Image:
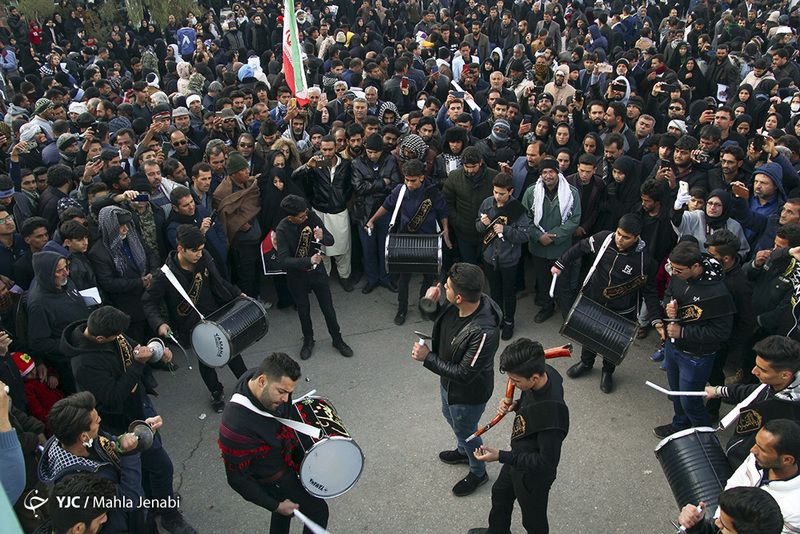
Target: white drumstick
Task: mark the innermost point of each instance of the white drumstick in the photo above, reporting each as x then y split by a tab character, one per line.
313	527
699	511
678	393
553	286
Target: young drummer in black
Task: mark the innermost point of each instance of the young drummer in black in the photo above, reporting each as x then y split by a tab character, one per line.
540	426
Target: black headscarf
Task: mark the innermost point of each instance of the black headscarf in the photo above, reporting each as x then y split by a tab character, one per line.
716	223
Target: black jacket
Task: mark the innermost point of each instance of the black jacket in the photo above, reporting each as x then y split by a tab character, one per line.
322	194
181	316
51	309
468	372
288	237
616	268
122	292
741	290
702	337
370	185
773	291
120	391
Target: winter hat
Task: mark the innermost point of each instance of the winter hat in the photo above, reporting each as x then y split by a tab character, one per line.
65	140
78	108
179	112
235	163
24	362
679	124
42	105
548	163
374	142
500	136
192	98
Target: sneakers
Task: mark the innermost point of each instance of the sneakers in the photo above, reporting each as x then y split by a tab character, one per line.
507	332
543	315
453	457
218	401
658	355
308	346
400	318
343	348
468	485
267	304
176	524
664	431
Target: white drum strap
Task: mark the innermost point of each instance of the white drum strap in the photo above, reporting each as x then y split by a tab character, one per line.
733	414
597	258
179	288
397	206
303	428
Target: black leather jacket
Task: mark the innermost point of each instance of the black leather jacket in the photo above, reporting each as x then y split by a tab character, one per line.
323	194
370	185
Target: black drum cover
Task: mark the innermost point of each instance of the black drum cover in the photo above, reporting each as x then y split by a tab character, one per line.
695	466
599	329
414	254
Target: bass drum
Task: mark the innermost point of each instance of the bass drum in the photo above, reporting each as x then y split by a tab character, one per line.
229	330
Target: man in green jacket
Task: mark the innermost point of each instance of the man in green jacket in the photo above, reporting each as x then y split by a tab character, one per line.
554	212
464	191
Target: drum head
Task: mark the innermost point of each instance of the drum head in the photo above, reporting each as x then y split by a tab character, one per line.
211	344
331	467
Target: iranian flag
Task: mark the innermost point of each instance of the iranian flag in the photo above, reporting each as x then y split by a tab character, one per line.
292	56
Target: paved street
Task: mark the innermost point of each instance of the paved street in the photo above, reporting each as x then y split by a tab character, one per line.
609	480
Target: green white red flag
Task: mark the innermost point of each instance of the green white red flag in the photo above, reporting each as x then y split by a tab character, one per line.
292	56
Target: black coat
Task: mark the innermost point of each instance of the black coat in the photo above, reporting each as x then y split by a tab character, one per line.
370	185
322	194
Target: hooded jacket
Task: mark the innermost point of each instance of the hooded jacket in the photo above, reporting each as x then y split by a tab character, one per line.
698	224
773	293
51	309
702	337
119	385
464	197
466	366
598	41
621	197
370	185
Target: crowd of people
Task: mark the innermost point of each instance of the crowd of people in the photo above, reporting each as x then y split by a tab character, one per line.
644	156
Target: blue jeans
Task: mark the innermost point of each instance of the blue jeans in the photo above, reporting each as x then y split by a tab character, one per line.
375	250
687	373
464	419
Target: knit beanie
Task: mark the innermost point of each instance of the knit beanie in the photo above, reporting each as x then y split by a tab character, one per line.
235	163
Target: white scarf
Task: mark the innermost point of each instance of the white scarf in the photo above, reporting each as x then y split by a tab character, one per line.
564	196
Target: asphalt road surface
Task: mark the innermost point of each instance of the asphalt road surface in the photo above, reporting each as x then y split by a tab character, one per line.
609	480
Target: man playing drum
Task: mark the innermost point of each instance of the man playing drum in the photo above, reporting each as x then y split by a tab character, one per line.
541	424
195	270
623	273
257	450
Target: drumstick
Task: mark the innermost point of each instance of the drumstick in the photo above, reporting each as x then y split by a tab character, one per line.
185	355
422	337
682	528
672	339
553	285
556	352
310	525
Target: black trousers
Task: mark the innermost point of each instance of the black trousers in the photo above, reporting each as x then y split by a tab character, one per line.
316	280
402	288
532	495
209	374
289	487
246	261
502	288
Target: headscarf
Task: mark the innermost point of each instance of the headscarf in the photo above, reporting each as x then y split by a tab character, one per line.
716	223
108	222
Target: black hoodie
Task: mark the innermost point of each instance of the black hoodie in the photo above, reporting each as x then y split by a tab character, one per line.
51	309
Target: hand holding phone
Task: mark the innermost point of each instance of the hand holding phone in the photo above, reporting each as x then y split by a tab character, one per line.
740	190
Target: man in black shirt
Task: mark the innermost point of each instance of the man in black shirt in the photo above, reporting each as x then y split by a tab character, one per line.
299	238
257	450
540	426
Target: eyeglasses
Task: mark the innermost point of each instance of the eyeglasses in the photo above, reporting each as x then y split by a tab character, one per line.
180	143
677	270
675	108
7	218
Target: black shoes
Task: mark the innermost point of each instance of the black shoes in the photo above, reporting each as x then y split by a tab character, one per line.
664	431
543	315
369	287
347	284
468	485
176	524
218	401
578	369
481	530
507	331
390	285
453	457
606	382
400	318
343	348
308	346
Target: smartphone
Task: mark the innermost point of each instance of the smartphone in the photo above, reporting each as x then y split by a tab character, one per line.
165	148
683	188
294	103
664	164
214	215
142	197
740	191
434	69
669	87
758	143
96	158
404	83
458	94
578	95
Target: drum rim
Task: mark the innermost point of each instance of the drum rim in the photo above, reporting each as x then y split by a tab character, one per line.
683	433
313	490
224	332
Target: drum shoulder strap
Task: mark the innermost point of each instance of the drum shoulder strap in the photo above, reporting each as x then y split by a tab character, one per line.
179	288
303	428
397	206
598	257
